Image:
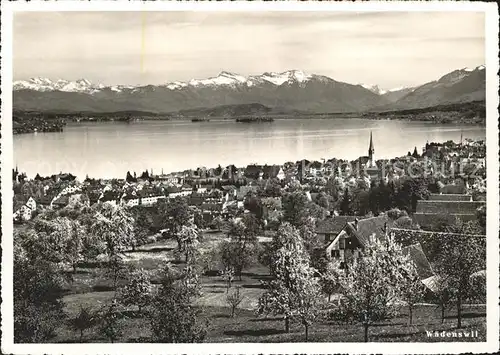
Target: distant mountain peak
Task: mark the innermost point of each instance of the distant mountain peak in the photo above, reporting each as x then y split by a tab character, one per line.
374	88
292	88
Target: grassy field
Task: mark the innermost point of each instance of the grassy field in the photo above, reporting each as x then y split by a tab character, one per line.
90	287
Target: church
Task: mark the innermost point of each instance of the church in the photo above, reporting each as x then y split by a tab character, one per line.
371	168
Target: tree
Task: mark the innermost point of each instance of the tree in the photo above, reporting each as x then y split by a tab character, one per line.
323	201
461	255
360	204
115	269
412	190
293	292
84	320
37	293
241	251
234	299
218	223
188	239
111	324
345	204
329	281
141	227
176	214
309	236
58	240
199	221
228	276
411	289
272	188
368	283
238	255
308	307
172	317
481	218
442	295
137	291
114	226
295	207
253	203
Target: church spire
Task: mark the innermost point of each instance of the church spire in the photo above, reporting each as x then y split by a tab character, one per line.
371	150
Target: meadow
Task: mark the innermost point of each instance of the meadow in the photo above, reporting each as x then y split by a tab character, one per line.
91	287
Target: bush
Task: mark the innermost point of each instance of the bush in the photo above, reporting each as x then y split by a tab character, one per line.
396	213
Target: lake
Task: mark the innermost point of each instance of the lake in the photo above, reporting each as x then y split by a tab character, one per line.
110	149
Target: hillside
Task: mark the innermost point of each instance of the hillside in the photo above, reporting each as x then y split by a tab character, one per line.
288	91
292	90
469	113
459	86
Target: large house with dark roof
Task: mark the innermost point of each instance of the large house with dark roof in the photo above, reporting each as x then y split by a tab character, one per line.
446	206
331	226
355	236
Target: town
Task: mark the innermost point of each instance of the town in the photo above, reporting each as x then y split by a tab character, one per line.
253	247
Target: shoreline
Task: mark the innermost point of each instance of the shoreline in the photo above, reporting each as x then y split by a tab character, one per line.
59	128
190	171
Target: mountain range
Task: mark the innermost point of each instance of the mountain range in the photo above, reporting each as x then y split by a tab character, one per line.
291	90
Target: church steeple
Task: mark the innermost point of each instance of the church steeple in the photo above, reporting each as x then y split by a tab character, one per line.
371	151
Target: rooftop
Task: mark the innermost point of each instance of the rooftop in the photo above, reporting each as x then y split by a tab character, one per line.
333	225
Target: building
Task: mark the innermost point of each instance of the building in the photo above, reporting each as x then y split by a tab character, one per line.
371	152
331	226
273	172
446	207
111	196
130	200
371	167
173	191
355	236
149	197
25	212
60	202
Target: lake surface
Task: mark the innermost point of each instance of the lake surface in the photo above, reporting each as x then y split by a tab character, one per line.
110	149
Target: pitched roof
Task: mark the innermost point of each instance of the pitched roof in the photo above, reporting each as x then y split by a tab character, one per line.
450	197
253	171
173	189
422	265
228	187
196	200
43	200
333	225
111	195
270	171
62	200
369	226
316	165
244	190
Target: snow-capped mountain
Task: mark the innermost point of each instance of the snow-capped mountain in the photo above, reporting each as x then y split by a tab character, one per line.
461	85
45	84
223	79
291	89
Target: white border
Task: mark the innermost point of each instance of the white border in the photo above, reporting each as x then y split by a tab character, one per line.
491	31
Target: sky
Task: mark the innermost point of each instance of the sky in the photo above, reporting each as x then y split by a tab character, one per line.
390	49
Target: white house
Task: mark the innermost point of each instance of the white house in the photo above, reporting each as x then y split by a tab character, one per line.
24	213
31	204
151	200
